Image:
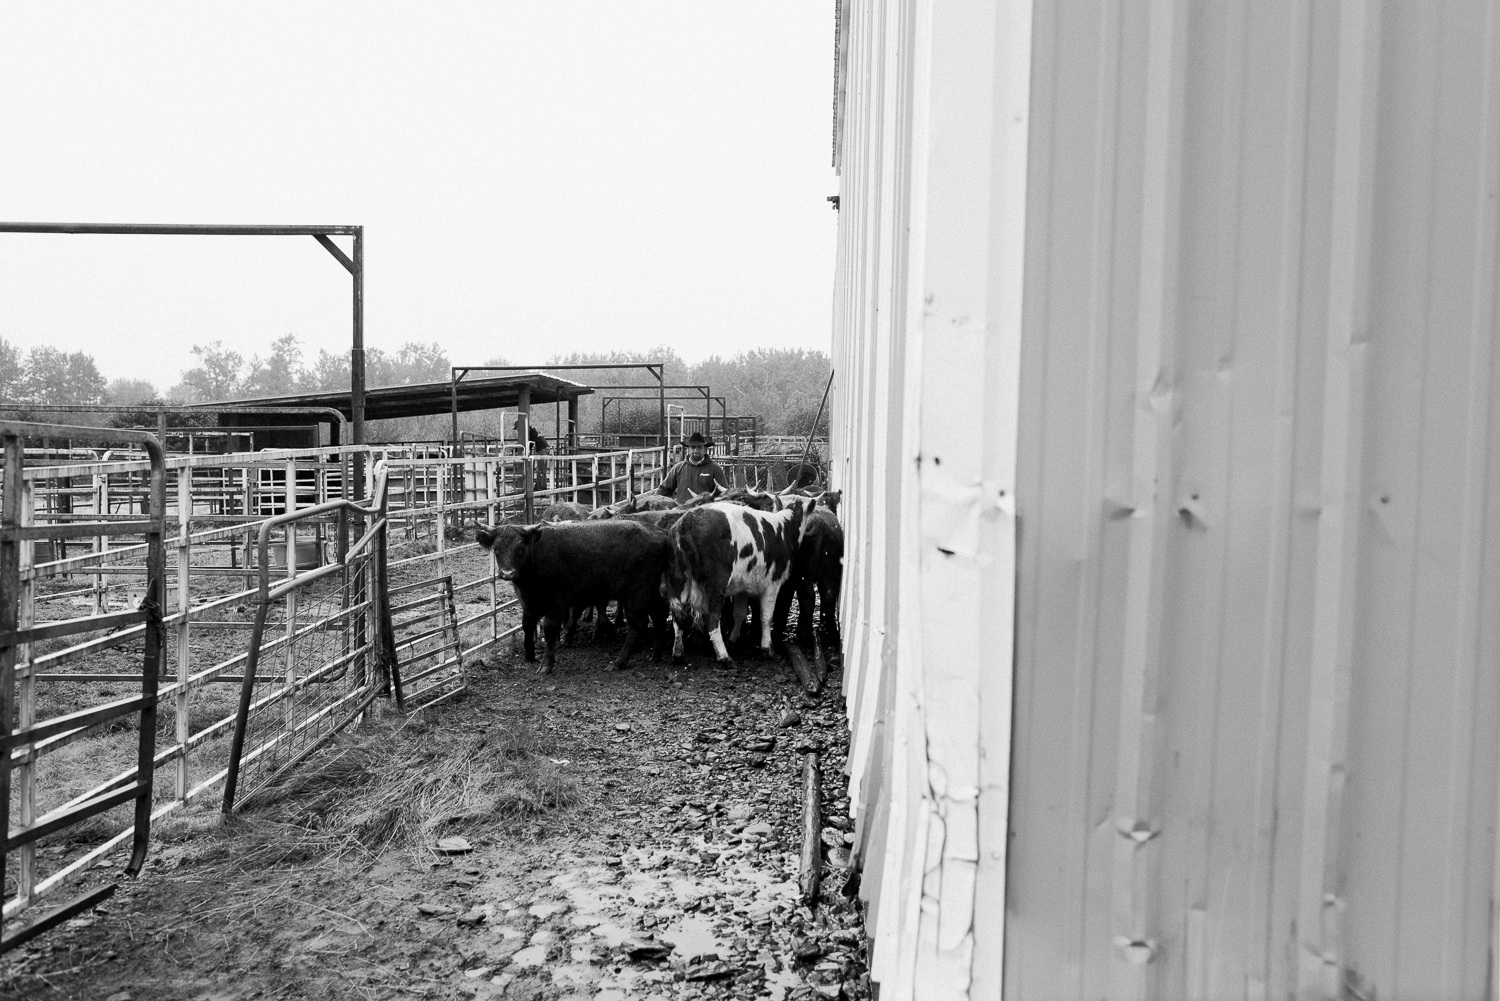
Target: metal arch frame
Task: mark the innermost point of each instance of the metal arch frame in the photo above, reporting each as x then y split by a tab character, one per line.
657	370
702	389
352	262
702	393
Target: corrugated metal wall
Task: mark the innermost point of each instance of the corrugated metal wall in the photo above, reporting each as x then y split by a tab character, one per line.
1257	573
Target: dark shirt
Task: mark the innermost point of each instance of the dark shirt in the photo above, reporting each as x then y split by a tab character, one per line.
538	443
685	479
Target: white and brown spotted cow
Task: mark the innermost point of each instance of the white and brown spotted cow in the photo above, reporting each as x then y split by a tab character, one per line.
724	550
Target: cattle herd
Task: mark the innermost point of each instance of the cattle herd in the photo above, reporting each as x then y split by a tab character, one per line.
672	569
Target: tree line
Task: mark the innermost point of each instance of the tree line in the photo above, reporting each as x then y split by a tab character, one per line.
780	387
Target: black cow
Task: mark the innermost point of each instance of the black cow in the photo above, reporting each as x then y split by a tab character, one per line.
555	568
656	519
818	569
723	550
632	505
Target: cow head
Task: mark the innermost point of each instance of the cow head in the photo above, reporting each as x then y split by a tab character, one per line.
511	546
754	498
803	506
706	497
830	499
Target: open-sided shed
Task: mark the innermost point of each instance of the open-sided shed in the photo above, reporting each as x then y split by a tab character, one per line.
519	391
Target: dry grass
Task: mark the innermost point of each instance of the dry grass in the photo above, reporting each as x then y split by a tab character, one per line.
407	784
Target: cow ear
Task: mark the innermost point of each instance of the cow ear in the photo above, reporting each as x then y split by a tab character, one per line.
530	532
484	537
812	505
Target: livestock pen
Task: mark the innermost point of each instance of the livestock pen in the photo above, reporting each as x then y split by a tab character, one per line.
256	603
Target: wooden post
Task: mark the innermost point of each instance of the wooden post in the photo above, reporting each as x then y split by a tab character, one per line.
812	829
572	424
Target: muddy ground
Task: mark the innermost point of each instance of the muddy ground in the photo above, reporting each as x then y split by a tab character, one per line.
628	835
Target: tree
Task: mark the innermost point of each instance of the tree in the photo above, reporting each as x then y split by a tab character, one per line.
127	391
215	376
421	363
278	374
53	377
781	386
12	377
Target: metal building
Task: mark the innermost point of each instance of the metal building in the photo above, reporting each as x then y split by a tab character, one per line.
1165	338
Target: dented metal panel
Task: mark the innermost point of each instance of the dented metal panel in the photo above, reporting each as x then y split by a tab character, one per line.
1254	742
1196	305
934	132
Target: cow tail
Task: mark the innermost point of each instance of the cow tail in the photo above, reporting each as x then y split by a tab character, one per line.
685	553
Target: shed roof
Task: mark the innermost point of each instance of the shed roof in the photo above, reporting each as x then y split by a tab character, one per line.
423	398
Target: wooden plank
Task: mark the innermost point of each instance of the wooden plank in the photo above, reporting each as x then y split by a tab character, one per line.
810	870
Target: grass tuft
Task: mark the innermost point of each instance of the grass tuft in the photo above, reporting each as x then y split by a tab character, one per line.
409	787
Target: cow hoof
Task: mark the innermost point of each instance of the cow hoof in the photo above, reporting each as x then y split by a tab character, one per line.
678	660
545	669
727	664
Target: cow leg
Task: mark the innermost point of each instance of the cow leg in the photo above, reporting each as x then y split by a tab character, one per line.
828	594
636	624
739	605
721	654
678	657
602	624
659	630
570	635
783	610
529	620
806	611
767	617
551	626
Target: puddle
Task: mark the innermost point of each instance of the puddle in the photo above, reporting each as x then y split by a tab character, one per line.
612	934
545	910
533	955
574	975
779	984
693	935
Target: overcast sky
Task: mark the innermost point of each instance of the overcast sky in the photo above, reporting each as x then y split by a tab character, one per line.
533	177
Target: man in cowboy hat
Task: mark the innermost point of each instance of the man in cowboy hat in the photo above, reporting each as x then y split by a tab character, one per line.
695	474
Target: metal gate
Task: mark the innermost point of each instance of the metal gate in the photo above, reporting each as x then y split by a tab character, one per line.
327	655
23	738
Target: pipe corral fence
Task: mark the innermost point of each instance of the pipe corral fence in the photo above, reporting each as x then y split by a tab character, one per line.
195	626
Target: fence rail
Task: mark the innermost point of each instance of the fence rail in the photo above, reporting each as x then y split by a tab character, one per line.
273	539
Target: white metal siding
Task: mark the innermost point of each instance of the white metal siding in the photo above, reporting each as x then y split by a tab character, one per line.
1246	415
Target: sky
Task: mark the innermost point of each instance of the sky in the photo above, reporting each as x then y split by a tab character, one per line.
533	177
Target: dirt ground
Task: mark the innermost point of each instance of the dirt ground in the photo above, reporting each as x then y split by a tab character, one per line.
628	835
